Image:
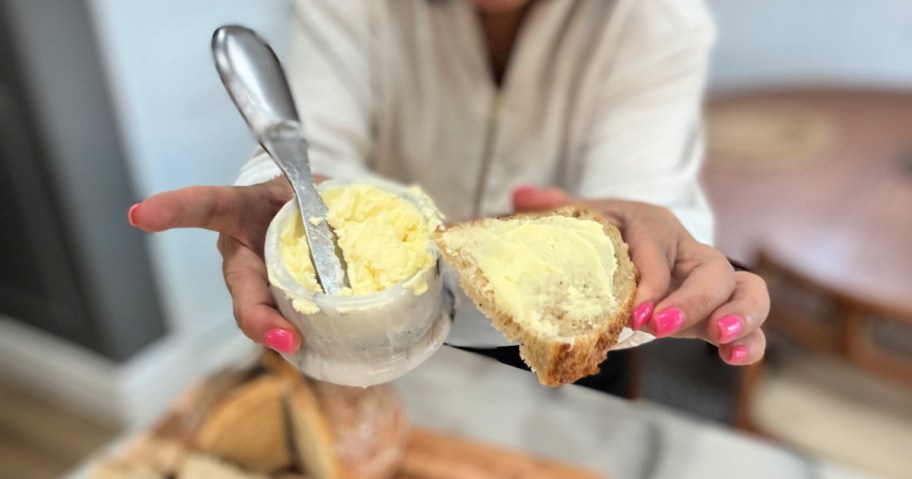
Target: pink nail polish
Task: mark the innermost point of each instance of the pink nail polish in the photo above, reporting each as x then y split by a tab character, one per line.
131	213
738	354
667	321
641	315
280	340
729	327
523	189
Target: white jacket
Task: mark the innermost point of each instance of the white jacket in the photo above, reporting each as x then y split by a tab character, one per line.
602	98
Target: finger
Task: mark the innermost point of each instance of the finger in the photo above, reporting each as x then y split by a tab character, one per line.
254	309
235	211
742	314
709	282
531	198
211	207
655	278
747	350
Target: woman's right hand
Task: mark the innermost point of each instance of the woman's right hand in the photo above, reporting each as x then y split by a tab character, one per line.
241	215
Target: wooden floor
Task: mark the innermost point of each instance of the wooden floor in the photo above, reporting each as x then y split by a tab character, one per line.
41	440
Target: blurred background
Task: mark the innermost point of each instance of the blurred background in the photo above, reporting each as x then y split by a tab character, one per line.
105	102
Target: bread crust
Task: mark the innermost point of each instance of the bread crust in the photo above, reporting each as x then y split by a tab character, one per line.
341	432
555	361
247	427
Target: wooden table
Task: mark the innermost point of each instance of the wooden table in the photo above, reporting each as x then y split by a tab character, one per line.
845	221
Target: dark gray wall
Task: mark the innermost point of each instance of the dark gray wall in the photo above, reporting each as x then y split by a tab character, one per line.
71	174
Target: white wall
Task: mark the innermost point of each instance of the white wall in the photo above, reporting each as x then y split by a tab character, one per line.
830	42
179	126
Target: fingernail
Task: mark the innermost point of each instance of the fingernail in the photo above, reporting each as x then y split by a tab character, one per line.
131	213
641	315
738	354
729	327
523	189
667	321
280	340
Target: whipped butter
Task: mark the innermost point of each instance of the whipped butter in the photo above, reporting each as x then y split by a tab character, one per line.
558	264
385	239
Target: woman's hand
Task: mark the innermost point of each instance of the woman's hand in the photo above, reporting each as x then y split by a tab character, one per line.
687	289
241	215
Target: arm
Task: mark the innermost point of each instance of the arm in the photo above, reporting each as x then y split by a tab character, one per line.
645	143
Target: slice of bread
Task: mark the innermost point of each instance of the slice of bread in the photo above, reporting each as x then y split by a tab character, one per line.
111	470
563	343
200	466
269	420
247	427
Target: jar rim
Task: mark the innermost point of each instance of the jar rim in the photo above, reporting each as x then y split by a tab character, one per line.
280	277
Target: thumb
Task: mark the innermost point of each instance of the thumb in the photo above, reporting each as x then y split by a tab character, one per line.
531	198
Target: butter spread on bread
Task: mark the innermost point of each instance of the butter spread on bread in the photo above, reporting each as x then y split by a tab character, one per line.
558	283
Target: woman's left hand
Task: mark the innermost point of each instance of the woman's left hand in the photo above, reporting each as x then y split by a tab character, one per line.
687	289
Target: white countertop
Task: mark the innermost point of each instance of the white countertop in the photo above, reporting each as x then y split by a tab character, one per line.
475	397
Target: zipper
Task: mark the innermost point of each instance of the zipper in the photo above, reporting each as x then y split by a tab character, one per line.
489	144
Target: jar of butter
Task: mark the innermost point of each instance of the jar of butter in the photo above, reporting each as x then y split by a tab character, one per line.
395	311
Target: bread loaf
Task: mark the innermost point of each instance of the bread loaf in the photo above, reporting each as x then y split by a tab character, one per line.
344	432
248	427
559	283
280	421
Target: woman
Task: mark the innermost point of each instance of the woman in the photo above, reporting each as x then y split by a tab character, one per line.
495	106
